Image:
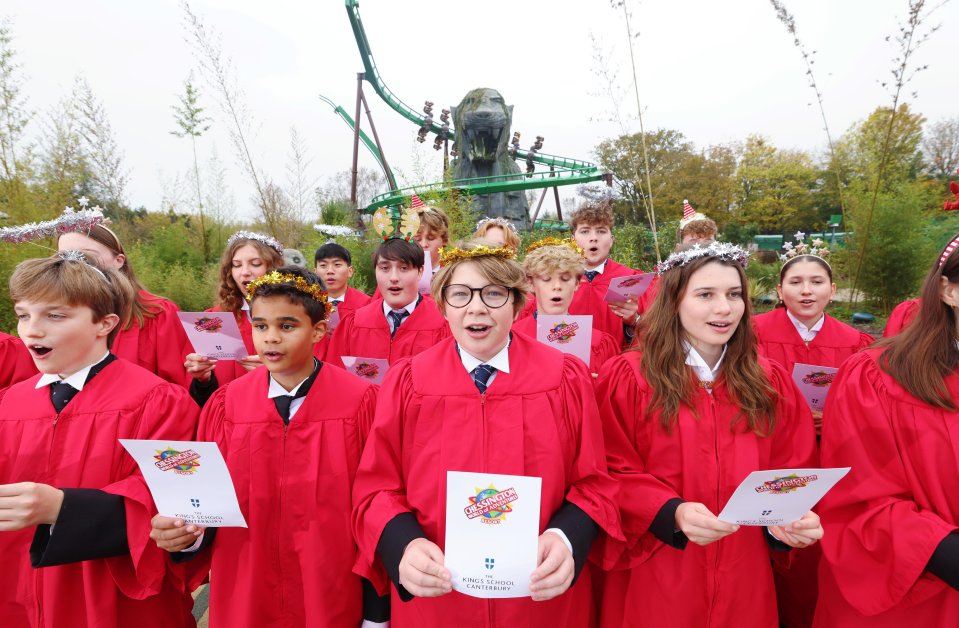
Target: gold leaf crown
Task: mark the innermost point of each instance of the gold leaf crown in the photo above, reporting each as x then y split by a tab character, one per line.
298	283
451	255
551	241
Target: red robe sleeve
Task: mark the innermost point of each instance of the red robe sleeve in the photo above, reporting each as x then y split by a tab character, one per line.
604	347
641	495
879	537
167	412
16	364
379	492
901	316
339	344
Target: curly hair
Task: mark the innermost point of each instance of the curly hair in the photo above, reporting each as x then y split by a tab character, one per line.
600	214
229	295
549	259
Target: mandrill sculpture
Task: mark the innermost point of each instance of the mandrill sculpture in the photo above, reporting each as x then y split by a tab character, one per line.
482	121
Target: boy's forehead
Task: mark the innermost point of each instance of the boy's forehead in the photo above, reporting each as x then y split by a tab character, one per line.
46	302
593	225
331	260
277	306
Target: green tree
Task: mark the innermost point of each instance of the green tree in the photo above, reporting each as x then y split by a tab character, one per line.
872	144
774	186
191	123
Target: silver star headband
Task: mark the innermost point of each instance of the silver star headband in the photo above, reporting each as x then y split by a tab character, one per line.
81	221
720	250
502	222
259	237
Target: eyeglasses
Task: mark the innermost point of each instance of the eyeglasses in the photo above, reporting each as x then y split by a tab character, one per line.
458	295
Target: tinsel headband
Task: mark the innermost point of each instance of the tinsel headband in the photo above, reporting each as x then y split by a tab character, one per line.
259	237
551	241
81	221
500	222
297	282
719	250
451	255
816	248
78	256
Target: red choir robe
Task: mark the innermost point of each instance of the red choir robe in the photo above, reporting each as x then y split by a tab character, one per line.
539	419
703	459
293	565
901	316
160	346
353	299
366	333
228	370
602	346
780	341
16	364
78	449
885	518
590	298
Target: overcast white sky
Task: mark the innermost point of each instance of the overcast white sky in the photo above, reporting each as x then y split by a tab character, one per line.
717	71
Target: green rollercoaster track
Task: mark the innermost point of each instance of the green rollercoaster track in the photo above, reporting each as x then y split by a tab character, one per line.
563	171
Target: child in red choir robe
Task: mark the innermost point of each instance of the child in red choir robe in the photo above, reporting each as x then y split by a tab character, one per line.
334	264
16	364
433	233
71	500
891	549
153	337
800	331
248	255
592	227
901	315
554	269
402	322
487	400
687	417
292	435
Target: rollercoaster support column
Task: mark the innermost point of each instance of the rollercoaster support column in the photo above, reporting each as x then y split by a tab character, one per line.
376	138
356	151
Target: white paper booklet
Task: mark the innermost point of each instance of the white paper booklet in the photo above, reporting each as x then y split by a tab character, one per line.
779	497
214	334
188	480
492	532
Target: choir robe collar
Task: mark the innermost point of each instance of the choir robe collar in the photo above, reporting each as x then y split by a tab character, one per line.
808	334
78	380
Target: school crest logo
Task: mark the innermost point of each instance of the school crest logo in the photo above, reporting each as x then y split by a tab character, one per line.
180	462
367	370
818	378
209	324
787	484
563	332
491	505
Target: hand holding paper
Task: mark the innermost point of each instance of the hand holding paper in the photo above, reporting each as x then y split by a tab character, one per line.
421	570
802	533
173	534
780	497
555	571
700	525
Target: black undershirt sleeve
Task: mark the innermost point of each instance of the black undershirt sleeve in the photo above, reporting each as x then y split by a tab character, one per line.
91	524
579	529
397	534
201	392
663	526
376	608
209	534
775	544
944	562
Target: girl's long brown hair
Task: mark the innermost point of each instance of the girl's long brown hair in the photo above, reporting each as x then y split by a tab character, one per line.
229	295
664	360
925	352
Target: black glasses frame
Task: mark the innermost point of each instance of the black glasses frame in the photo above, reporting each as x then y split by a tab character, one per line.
473	292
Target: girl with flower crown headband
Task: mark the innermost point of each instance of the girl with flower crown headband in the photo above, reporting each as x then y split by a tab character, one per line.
687	415
891	548
799	331
490	401
248	255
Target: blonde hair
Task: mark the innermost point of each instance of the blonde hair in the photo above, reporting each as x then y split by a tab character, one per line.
435	220
510	239
56	280
496	270
230	296
549	259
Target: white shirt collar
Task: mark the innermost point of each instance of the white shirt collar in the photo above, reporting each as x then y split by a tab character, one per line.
245	308
276	390
500	361
77	380
806	333
338	299
702	370
599	268
409	307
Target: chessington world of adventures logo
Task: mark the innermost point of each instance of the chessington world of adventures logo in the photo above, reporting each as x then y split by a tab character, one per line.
491	505
786	484
180	462
563	332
